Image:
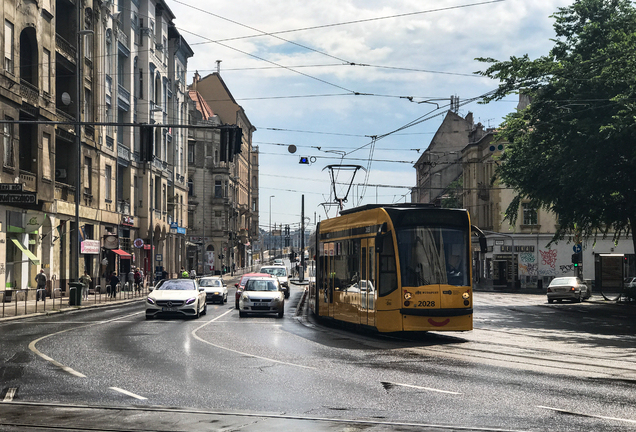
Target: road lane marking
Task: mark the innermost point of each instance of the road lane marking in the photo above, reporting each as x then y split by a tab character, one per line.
127	393
587	415
420	388
60	365
10	394
240	352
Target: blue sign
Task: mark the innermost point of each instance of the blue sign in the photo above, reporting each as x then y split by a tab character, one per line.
158	257
577	248
181	230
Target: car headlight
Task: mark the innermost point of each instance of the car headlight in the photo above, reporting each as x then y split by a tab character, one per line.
190	300
151	301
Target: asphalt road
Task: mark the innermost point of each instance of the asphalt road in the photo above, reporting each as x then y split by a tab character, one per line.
526	366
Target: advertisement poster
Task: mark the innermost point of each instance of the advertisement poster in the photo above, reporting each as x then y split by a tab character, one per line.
210	261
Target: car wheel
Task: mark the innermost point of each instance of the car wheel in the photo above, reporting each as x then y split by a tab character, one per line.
149	317
225	299
281	312
242	314
286	294
205	309
550	300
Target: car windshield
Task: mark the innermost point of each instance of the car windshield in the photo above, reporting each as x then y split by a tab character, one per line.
210	282
564	281
274	271
177	284
260	285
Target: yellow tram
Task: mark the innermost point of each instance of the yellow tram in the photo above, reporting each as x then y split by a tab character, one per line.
395	268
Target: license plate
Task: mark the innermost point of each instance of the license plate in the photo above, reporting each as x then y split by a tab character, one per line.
169	309
261	304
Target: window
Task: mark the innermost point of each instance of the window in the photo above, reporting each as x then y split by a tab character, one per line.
121	70
254	205
46	71
529	215
88	105
109	51
7	143
8	46
191	152
218	190
190	187
109	175
46	156
88	175
141	83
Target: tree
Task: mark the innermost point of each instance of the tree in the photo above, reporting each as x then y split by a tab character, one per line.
572	150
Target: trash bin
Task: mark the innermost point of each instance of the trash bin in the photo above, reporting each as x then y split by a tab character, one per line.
75	293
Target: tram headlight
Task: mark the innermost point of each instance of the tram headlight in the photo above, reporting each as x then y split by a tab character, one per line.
465	296
407	295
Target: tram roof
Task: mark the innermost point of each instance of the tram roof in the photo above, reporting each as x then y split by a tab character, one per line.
392	206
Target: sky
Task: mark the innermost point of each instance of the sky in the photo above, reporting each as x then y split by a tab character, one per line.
326	76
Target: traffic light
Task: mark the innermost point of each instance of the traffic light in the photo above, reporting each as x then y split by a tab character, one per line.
304	160
576	259
147	134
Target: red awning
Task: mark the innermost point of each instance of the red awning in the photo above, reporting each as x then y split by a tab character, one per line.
122	254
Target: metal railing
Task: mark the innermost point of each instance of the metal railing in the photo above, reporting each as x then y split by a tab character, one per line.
29	301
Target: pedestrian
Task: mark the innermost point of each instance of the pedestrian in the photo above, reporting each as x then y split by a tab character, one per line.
114	281
193	274
40	280
164	274
86	283
138	278
131	279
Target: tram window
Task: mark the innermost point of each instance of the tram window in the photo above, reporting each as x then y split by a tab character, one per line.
388	274
433	256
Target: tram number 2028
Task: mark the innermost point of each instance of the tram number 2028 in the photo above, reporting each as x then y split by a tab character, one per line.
426	304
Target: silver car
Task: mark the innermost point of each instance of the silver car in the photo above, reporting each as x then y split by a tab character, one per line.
215	289
568	288
262	296
281	273
176	297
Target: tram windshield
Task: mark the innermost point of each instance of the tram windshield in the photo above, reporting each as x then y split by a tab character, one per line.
433	256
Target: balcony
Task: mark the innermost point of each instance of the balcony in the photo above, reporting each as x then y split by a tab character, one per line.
29	92
123	207
28	179
65	48
123	152
123	95
64	192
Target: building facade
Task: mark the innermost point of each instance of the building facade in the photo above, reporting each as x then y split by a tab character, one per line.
94	69
224	184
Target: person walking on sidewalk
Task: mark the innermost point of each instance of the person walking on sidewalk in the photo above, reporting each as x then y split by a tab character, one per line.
86	283
40	280
114	281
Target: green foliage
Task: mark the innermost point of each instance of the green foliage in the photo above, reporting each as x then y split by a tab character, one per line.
453	197
572	150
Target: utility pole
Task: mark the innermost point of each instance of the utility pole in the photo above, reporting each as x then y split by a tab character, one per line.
301	276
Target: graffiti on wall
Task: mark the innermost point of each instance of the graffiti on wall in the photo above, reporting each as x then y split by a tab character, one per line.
526	257
549	258
567	268
529	269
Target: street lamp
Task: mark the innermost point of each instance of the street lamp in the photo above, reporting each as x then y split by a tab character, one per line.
78	135
269	237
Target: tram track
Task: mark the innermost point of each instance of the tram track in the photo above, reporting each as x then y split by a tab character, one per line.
78	418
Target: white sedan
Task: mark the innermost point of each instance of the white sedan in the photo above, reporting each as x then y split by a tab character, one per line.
262	295
215	289
181	297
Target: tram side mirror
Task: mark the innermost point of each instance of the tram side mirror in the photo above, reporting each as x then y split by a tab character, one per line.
379	242
483	245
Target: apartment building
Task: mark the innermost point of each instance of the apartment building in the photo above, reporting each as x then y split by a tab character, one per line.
95	70
224	185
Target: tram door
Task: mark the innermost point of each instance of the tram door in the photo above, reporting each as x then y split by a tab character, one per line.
367	282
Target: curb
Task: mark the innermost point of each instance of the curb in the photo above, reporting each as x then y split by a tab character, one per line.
70	309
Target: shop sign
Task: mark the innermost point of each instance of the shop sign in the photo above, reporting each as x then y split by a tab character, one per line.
139	243
128	221
181	230
90	247
111	242
34	220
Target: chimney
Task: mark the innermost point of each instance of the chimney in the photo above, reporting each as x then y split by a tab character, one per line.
218	66
195	80
469	118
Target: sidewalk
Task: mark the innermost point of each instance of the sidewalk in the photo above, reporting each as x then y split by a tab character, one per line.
17	309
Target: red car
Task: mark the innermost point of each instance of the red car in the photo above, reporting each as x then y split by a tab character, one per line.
241	285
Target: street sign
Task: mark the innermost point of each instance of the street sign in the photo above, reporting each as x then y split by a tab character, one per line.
158	257
577	248
11	187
